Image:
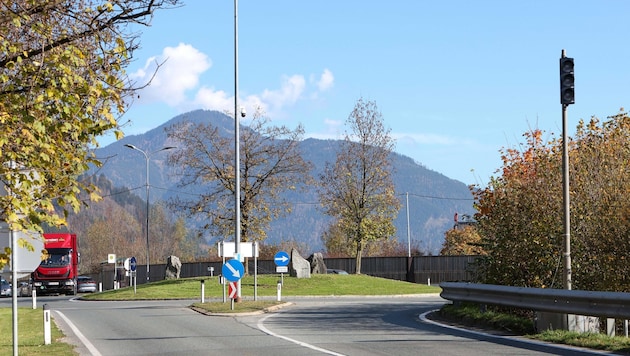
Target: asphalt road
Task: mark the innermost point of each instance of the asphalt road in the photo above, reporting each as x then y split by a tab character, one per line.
309	326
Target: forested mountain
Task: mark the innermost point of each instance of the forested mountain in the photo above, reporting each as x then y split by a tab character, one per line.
433	198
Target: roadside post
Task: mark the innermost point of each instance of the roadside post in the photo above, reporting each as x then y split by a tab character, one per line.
222	283
46	325
279	297
203	291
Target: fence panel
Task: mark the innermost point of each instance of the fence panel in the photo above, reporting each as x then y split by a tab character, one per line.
418	269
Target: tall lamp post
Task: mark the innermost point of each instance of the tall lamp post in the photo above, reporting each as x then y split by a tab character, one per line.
147	156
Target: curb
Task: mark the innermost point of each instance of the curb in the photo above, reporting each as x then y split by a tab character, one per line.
270	309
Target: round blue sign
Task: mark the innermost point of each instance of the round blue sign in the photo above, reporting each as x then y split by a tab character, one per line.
132	263
281	259
233	270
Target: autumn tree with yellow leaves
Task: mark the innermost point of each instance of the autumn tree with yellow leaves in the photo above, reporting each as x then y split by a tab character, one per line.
520	212
62	85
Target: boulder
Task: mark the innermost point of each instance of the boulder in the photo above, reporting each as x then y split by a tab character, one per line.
299	267
173	267
317	263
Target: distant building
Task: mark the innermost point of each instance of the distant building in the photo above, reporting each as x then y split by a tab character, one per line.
463	221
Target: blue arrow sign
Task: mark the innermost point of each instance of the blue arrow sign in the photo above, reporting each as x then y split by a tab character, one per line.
281	259
132	263
233	270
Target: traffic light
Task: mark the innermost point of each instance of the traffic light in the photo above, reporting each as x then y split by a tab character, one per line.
567	81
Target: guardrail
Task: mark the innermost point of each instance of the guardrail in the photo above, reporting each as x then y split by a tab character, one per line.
600	304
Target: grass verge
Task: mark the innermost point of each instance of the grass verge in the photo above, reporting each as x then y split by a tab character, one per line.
244	306
30	334
589	340
472	315
504	323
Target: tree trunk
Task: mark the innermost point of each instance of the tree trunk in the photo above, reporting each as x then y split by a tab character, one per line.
358	258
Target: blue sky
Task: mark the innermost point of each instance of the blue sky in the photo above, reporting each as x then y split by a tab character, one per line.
455	80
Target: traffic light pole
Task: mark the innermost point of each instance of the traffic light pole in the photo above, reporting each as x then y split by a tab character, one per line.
566	201
567	97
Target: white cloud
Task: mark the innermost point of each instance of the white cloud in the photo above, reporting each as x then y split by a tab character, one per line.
210	99
179	72
291	89
427	139
326	81
333	130
177	84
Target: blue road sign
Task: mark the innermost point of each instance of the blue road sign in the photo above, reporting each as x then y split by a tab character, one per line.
233	270
281	259
132	263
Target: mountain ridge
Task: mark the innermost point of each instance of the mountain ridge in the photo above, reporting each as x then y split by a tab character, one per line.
433	198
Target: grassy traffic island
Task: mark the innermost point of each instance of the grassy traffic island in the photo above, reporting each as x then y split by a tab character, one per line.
267	286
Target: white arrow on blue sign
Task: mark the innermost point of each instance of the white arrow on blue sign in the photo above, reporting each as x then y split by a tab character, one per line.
132	263
233	270
281	259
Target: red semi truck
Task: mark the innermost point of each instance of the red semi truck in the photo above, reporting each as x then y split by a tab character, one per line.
57	274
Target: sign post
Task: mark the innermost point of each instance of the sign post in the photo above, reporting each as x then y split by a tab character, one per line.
111	258
133	265
233	271
281	259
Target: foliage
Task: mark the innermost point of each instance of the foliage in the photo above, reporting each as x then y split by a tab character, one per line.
268	251
596	341
462	241
339	244
473	315
62	84
117	225
520	214
357	190
270	163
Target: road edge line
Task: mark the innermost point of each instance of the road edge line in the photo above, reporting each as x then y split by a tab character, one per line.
262	328
79	335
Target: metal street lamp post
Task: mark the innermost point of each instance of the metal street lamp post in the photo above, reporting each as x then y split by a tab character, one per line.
147	156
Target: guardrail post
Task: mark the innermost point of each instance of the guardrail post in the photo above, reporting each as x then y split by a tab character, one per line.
46	325
610	327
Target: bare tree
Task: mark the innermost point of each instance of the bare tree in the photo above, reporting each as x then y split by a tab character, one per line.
271	163
358	190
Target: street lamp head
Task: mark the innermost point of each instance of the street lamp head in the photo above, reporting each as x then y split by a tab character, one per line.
130	146
243	112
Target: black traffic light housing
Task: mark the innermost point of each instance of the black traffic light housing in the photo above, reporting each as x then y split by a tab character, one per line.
567	81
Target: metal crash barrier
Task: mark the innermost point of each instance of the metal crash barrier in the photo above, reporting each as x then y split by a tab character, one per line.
601	304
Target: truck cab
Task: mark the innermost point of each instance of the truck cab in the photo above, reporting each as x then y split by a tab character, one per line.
57	273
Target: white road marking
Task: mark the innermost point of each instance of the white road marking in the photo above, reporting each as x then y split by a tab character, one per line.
78	334
262	328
